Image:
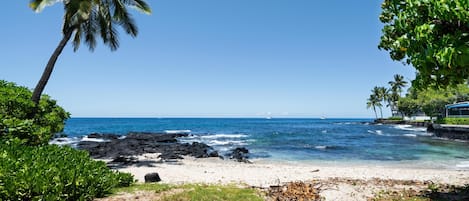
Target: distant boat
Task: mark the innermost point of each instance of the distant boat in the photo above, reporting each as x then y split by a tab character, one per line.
268	117
322	117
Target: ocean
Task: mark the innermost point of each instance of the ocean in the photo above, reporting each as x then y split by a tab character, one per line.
288	140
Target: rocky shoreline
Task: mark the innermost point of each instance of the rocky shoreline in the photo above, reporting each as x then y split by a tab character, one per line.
453	132
122	149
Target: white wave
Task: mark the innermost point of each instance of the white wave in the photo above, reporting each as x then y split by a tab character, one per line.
177	131
324	131
224	136
87	139
377	132
320	147
410	135
463	165
64	141
410	128
219	142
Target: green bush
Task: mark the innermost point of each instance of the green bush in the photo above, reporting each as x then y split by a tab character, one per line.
395	118
52	172
454	121
18	120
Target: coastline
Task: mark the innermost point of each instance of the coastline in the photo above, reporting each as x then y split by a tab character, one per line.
337	182
264	173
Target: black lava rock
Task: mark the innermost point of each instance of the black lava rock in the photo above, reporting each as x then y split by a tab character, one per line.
120	149
152	177
240	154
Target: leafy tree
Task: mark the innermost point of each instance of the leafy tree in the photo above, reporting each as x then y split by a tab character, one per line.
86	20
408	106
431	35
15	120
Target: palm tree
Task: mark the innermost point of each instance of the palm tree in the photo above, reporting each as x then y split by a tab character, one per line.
398	84
381	95
86	20
396	91
373	102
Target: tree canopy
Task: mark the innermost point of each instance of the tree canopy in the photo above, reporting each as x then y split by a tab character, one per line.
88	20
431	35
432	101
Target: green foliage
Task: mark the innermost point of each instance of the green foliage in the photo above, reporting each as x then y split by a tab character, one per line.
90	19
51	172
432	101
17	122
408	106
196	192
395	118
454	121
431	35
214	192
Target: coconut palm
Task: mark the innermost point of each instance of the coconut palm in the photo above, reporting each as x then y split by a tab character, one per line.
373	102
87	20
396	91
397	84
381	95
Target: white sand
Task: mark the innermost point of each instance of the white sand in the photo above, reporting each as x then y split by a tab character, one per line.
264	174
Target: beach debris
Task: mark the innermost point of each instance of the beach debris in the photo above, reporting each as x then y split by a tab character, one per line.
152	177
298	191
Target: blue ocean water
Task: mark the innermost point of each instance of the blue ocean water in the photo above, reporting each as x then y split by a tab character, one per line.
304	140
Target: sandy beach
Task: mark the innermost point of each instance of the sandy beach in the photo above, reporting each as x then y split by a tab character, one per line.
356	182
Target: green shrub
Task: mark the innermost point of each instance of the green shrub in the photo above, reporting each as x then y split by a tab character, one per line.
18	121
454	121
52	172
395	118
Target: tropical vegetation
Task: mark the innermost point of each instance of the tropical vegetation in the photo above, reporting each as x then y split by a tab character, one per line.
50	172
389	97
432	101
430	35
16	121
30	169
85	21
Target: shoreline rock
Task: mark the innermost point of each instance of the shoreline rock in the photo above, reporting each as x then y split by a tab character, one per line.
122	149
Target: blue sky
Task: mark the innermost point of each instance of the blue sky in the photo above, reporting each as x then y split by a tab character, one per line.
248	58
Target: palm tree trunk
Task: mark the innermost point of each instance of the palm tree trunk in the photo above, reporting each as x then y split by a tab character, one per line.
381	112
50	67
376	114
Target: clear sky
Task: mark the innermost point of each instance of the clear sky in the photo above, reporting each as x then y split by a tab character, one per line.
302	58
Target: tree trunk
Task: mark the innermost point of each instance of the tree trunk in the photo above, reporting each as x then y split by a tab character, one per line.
381	112
376	114
50	67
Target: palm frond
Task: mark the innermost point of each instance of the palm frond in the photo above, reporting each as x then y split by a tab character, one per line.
142	6
77	39
39	5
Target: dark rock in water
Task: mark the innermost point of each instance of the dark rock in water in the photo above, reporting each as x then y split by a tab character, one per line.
140	143
152	177
240	154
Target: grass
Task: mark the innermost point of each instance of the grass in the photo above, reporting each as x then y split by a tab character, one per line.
196	192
